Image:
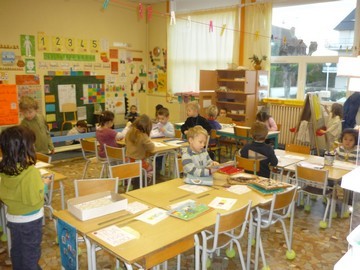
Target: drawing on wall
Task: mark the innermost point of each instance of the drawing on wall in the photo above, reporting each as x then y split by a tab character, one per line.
66	94
7	58
27	45
9	113
114	100
33	91
30	66
93	93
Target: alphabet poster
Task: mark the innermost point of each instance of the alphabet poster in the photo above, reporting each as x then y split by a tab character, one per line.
9	113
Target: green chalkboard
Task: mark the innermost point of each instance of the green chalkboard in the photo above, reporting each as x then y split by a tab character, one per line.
87	92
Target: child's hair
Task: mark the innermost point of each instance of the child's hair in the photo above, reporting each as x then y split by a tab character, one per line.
105	117
28	103
81	123
212	111
158	107
351	131
259	131
163	111
194	105
337	110
262	116
196	131
142	124
17	147
133	106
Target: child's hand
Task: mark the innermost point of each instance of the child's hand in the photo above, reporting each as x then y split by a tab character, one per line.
128	124
52	152
46	179
214	163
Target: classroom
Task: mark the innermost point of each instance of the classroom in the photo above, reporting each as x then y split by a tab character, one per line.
238	68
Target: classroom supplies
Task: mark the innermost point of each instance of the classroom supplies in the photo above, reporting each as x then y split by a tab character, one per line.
199	180
188	210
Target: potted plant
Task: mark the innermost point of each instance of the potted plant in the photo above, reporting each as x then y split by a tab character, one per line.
256	61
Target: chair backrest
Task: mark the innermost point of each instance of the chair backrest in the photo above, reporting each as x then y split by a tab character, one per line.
241	132
114	155
69	108
178	134
42	157
248	164
90	186
224	120
88	146
302	149
315	177
278	127
127	171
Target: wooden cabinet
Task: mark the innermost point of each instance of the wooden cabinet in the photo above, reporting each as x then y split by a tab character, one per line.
237	93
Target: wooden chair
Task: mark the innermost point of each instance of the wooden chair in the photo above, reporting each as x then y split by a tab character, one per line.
278	127
302	149
169	252
315	182
229	229
68	109
224	120
42	157
90	154
281	207
212	144
114	155
178	134
90	186
128	171
248	164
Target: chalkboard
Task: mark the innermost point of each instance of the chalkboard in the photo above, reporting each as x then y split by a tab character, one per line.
87	91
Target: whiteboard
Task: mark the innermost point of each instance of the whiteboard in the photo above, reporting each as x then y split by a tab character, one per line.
66	94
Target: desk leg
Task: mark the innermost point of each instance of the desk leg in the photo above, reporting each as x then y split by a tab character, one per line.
62	193
91	256
154	168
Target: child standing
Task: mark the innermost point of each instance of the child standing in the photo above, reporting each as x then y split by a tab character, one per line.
194	119
106	135
262	151
80	127
138	143
333	126
164	128
347	151
133	114
36	122
195	159
269	121
22	190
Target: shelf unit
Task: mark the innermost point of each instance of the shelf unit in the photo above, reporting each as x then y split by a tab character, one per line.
237	92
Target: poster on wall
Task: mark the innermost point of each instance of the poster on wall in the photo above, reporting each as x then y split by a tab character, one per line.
114	100
9	113
93	93
30	66
66	94
33	91
27	45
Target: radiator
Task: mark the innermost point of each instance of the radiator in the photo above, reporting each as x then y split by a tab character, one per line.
288	117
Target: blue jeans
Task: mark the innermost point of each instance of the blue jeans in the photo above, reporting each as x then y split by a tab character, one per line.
26	244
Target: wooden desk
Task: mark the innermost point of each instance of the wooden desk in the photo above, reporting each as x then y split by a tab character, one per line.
170	230
85	227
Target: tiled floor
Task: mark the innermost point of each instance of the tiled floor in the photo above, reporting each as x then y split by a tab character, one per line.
315	248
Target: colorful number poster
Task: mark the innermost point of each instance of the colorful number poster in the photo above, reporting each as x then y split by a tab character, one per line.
67	239
9	113
93	93
114	100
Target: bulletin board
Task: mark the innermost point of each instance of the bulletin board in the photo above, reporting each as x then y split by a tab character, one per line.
9	113
86	91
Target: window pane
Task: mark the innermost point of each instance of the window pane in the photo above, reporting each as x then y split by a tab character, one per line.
284	80
322	78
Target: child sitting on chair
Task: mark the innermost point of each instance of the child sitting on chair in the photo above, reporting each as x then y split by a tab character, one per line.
269	121
261	151
194	119
347	151
80	127
163	127
195	159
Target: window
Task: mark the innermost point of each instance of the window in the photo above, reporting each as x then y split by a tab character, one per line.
305	45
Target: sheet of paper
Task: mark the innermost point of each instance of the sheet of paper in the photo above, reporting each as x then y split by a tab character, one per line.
344	165
43	171
114	235
222	203
153	216
159	144
194	188
40	164
293	157
239	189
175	142
136	207
172	206
310	165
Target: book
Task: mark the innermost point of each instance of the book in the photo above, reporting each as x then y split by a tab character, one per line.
188	210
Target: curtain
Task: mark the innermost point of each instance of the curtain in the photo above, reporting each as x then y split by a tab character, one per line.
193	47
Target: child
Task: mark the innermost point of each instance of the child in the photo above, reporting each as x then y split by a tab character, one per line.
347	151
163	128
194	119
223	112
157	108
212	112
138	143
263	151
195	160
264	117
22	190
132	115
80	127
106	135
333	126
36	122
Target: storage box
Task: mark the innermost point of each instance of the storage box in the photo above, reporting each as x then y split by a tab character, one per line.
96	205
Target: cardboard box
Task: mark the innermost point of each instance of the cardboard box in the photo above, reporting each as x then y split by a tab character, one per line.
118	203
